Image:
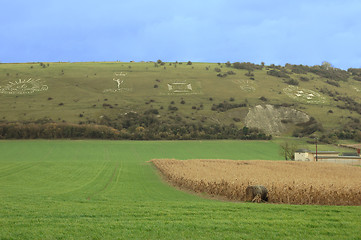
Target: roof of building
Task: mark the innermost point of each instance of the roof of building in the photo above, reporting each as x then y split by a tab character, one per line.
318	152
302	150
325	152
350	154
339	157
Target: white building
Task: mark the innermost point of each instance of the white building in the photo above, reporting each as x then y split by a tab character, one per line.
327	156
307	155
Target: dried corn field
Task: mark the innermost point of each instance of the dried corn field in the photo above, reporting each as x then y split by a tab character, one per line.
287	182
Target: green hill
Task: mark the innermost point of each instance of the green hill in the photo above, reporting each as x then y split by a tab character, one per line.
159	93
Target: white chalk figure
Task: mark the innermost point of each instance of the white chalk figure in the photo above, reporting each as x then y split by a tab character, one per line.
304	95
118	82
24	87
189	87
180	87
245	85
121	74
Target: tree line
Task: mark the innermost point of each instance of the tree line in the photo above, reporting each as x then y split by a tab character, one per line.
132	126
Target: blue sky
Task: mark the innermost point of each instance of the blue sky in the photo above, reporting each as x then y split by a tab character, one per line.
275	32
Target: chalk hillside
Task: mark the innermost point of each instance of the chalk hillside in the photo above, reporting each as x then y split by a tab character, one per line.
131	96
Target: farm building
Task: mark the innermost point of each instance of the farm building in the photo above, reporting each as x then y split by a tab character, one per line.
328	156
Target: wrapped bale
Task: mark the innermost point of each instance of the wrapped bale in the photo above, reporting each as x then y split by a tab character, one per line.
256	194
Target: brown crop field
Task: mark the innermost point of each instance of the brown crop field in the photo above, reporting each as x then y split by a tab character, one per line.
286	181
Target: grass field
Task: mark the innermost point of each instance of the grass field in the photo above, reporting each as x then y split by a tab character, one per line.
108	190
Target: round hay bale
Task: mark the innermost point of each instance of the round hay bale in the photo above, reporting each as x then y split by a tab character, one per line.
256	194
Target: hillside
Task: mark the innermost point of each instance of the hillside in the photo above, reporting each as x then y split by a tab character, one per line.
141	95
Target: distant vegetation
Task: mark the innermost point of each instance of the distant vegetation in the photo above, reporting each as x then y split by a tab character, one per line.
225	105
133	126
247	66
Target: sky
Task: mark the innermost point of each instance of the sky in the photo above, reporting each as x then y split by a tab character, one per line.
277	32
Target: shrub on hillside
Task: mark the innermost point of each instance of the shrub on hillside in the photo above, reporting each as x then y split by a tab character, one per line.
304	79
151	111
263	99
160	62
247	66
333	83
292	81
298	69
225	106
249	74
331	73
172	108
307	128
222	75
277	73
357	78
354	71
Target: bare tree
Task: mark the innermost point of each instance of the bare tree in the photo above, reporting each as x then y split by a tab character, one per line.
288	150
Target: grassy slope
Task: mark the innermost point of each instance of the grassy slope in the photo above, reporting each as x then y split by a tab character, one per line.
107	190
82	85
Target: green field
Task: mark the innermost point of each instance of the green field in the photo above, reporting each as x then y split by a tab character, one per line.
108	190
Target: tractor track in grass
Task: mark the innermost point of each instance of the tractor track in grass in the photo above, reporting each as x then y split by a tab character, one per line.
110	180
16	169
21	166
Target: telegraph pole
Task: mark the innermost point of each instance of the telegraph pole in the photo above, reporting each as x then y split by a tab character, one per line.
316	151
